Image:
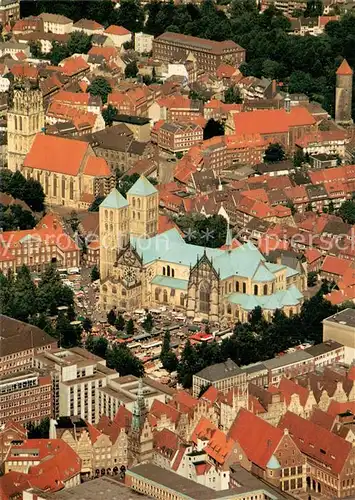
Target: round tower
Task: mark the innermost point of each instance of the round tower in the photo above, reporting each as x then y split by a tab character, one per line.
273	471
343	94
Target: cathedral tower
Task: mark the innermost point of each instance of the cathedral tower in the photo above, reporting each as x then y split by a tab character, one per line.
141	435
343	93
24	120
114	230
143	200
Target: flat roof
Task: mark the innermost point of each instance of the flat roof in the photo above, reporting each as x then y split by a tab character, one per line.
345	318
132	119
324	347
287	359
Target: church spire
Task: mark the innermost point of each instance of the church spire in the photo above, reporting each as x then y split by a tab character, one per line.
229	237
139	408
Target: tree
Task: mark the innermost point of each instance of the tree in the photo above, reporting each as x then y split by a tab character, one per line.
35	48
120	323
100	347
111	317
298	158
58	53
347	211
331	207
69	335
95	274
100	87
95	205
274	153
314	8
13	217
204	231
120	358
79	43
232	95
33	195
130	327
131	15
87	325
38	431
213	128
125	183
167	356
131	70
148	323
109	114
51	293
24	295
17	185
292	207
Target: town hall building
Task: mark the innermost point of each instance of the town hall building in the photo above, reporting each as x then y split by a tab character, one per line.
141	268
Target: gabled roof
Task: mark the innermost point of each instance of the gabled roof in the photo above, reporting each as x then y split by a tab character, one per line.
317	442
114	200
142	187
258	438
116	30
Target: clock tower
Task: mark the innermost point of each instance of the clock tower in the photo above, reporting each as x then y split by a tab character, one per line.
143	200
114	230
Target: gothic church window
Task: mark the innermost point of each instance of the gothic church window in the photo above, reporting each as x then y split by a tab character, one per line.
157	293
182	299
244	288
265	289
237	286
256	290
204	296
165	296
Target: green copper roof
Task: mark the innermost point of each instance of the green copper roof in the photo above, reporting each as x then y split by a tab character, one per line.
290	297
114	200
273	463
170	282
142	187
263	274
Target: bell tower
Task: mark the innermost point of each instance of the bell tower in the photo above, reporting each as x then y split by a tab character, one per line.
343	94
24	120
114	230
143	200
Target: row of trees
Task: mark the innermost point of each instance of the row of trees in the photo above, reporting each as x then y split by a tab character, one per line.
78	43
258	339
203	231
13	217
28	190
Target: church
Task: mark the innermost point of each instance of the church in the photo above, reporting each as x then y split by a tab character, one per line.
141	268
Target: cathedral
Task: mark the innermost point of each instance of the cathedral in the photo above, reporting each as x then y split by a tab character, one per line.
141	268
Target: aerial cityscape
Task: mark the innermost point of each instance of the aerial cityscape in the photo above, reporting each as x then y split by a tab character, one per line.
177	249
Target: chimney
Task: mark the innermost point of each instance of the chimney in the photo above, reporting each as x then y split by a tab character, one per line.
287	103
273	88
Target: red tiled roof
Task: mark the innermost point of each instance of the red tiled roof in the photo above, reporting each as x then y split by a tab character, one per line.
158	409
334	265
288	388
97	167
344	68
322	418
317	442
211	394
272	121
335	408
183	401
56	154
219	446
123	417
166	441
116	30
258	438
203	430
312	255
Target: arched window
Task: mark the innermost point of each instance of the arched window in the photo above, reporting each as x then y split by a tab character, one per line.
139	215
229	309
134	214
164	271
20	122
173	273
230	287
291	312
134	202
157	294
111	215
114	289
256	290
138	202
106	214
165	296
55	180
244	288
182	299
46	185
204	295
71	189
168	270
63	187
104	288
237	286
265	289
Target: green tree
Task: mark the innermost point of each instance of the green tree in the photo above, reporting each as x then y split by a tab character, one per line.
14	217
38	431
130	327
131	15
131	70
111	317
232	95
87	324
298	158
69	335
213	128
292	207
312	278
33	195
347	211
148	323
100	347
314	8
79	43
17	185
274	153
100	87
125	183
58	52
51	293
331	208
120	358
35	48
188	365
95	274
109	114
120	323
167	356
24	295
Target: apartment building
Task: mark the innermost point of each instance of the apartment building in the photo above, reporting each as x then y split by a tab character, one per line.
209	54
55	23
179	137
290	365
25	397
222	376
341	328
20	342
143	42
9	11
287	7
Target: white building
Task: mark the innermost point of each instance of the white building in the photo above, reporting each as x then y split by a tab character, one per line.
55	23
4	84
118	34
143	42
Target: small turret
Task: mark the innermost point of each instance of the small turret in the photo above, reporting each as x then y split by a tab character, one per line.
343	94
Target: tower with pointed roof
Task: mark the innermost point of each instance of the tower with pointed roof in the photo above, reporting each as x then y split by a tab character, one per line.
114	230
343	94
143	200
24	120
140	436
